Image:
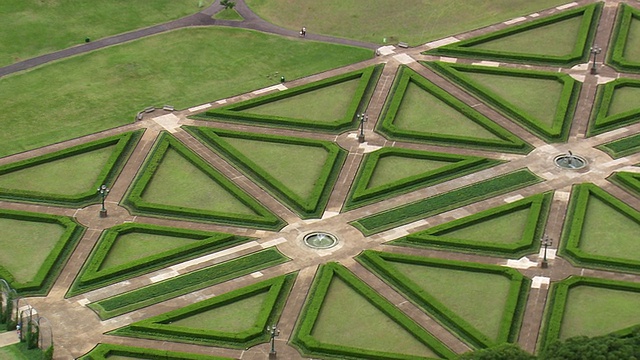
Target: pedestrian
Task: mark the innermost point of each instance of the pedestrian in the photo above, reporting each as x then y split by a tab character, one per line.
303	32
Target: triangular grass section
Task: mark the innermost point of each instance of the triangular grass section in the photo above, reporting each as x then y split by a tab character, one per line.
628	180
588	237
132	249
330	104
110	351
583	306
562	39
624	50
300	172
176	182
622	147
326	326
509	229
389	172
68	177
35	247
543	102
235	319
618	106
484	308
418	110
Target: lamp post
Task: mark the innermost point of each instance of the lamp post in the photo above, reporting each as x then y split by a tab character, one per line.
273	332
595	50
103	191
546	242
362	118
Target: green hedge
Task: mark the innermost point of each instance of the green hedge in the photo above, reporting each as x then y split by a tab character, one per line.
107	351
57	258
616	55
538	206
91	275
310	207
579	54
558	303
234	112
160	328
263	219
567	102
183	284
622	147
460	165
378	262
574	223
124	145
628	180
506	141
601	120
303	339
443	202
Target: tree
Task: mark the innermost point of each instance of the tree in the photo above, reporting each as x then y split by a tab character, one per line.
499	352
608	347
228	4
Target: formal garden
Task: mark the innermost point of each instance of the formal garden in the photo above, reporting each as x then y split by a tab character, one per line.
204	182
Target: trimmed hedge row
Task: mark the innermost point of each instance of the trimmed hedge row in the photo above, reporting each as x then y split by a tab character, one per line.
628	180
234	112
91	275
159	327
124	145
572	231
54	262
567	102
310	207
579	54
303	339
262	219
558	303
506	142
183	284
447	201
378	262
622	147
460	165
538	206
602	122
107	351
620	36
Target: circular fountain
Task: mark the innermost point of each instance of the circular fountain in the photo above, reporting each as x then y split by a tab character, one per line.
320	240
570	161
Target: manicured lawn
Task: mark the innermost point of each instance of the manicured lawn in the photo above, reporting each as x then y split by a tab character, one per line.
297	167
594	311
375	331
235	317
477	298
541	103
228	14
137	245
25	245
504	229
555	40
325	104
108	87
414	22
175	180
632	48
392	168
20	352
600	240
26	29
67	176
422	112
624	98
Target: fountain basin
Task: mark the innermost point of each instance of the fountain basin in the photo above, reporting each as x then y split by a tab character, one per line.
570	161
320	240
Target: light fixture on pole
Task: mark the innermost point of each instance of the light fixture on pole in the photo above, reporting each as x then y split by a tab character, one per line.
362	118
273	332
546	242
103	191
595	50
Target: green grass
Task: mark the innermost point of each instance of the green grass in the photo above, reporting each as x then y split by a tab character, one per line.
108	87
557	39
595	311
375	331
325	104
19	351
25	245
415	22
26	29
423	112
625	98
477	298
228	14
622	147
66	176
632	48
392	168
504	229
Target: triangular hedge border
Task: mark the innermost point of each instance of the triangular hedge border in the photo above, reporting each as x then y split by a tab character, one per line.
619	38
601	122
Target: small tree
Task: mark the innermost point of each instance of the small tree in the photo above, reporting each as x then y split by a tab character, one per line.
228	4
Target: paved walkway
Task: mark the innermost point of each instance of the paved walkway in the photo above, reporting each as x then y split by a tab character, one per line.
78	329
